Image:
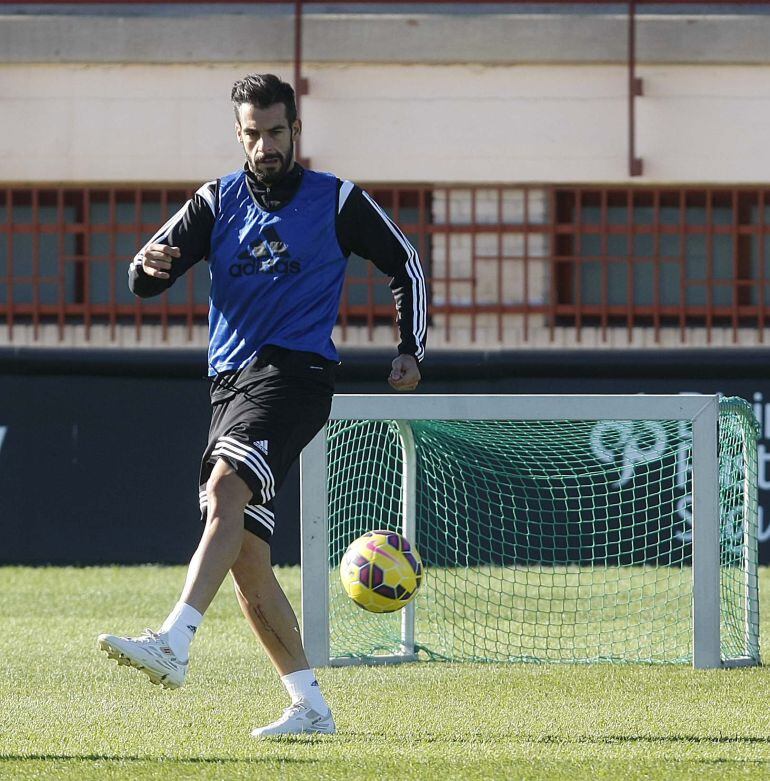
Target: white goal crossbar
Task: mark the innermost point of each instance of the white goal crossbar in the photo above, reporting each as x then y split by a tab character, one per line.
700	411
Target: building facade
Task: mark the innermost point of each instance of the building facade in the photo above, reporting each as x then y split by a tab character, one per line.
497	135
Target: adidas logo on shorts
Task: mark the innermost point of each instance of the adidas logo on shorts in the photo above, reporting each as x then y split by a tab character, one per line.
261	445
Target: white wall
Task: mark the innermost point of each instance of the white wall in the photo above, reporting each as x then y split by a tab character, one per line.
400	123
91	123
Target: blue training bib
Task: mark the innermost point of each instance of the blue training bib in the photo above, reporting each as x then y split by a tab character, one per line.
276	276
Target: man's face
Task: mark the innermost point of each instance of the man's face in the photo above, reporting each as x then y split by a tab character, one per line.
267	140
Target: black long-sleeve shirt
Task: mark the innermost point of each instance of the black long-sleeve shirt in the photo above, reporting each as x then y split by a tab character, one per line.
362	228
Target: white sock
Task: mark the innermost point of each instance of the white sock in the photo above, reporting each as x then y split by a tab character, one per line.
302	685
181	625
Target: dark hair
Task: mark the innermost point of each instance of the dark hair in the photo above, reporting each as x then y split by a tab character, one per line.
263	90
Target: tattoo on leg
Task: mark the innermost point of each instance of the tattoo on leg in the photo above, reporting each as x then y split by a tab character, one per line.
260	616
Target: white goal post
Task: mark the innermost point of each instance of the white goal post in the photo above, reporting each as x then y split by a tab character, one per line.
700	412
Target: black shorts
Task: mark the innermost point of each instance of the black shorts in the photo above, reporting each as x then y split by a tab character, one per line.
261	418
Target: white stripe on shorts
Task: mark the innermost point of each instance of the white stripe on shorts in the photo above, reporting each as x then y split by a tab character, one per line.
255	511
251	458
261	514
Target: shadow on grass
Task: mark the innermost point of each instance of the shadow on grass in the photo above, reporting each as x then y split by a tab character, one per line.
510	737
151	760
613	739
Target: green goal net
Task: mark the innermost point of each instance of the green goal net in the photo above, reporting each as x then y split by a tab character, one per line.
543	540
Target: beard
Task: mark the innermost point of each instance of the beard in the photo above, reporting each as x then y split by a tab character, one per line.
277	173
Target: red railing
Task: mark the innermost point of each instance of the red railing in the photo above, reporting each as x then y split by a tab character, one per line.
66	253
537	259
680	257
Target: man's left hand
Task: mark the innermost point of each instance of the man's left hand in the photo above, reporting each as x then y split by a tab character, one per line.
405	375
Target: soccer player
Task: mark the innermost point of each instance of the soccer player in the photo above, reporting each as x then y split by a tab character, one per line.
276	238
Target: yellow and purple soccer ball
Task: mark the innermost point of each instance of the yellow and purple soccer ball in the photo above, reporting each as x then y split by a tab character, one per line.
381	571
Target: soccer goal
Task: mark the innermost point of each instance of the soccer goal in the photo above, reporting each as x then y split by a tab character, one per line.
552	528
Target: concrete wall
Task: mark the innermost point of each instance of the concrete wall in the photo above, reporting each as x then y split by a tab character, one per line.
140	93
199	33
400	123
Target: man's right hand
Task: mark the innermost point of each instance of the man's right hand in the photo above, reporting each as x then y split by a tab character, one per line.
157	260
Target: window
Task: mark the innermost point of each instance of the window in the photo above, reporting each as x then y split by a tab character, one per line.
662	257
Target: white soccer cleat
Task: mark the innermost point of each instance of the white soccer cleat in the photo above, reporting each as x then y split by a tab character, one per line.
299	718
150	653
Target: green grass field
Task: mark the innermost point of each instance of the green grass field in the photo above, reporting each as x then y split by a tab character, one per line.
68	713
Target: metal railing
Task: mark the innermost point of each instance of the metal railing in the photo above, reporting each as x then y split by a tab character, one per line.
538	259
